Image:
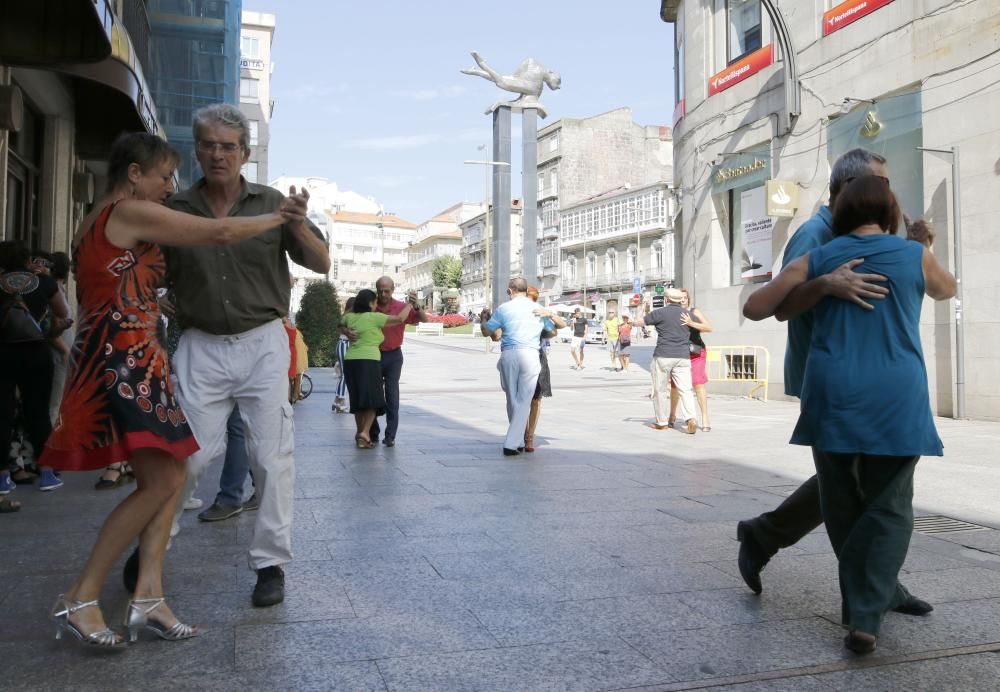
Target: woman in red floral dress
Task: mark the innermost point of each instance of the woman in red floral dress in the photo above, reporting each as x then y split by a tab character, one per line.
119	403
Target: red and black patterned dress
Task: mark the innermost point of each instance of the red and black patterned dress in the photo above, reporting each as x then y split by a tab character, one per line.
118	395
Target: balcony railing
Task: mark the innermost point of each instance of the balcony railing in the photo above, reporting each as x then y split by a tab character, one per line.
623	232
621	279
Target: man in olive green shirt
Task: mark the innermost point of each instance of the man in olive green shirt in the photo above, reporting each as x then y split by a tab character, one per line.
233	349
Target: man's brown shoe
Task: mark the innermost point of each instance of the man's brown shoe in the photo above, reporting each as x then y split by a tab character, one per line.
692	426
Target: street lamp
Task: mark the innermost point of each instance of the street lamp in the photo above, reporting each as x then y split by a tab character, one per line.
489	165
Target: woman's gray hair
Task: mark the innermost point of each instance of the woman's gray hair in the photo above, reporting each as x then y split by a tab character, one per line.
853	164
222	114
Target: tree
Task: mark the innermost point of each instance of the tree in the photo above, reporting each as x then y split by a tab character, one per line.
318	319
447	272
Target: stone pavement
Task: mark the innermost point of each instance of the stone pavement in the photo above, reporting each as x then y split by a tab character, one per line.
604	561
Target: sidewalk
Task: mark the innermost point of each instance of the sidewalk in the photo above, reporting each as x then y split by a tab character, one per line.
604	561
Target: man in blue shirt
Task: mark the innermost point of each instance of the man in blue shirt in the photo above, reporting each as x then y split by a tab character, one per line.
519	331
761	537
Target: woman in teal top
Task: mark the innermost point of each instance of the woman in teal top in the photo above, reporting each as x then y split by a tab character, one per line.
362	367
865	407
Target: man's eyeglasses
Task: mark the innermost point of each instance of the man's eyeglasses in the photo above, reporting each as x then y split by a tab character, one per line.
207	147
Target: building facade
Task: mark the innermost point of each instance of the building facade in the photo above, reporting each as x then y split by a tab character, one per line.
256	36
325	200
368	246
617	249
72	78
195	54
476	258
583	159
765	106
440	236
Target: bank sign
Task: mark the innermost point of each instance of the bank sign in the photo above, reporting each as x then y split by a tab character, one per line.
849	12
741	69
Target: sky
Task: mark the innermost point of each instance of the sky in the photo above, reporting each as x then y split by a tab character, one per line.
368	94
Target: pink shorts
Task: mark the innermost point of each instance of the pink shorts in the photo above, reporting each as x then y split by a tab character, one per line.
698	374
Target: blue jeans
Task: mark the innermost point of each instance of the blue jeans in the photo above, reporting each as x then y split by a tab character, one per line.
237	465
392	368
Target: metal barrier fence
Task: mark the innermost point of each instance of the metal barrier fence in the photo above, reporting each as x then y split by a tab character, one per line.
749	364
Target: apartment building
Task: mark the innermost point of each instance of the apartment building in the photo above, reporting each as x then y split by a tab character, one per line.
256	36
477	258
581	160
440	236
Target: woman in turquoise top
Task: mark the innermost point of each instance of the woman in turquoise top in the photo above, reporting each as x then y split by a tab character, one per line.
865	407
362	368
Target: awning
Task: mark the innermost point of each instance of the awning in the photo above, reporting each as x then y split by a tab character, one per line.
41	33
112	95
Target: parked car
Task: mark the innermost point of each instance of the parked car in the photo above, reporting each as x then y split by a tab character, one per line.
565	335
595	332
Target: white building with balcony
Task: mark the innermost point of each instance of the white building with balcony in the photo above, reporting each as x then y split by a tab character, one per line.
440	236
618	246
365	246
325	199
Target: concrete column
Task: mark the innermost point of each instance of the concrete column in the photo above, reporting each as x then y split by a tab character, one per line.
500	243
529	194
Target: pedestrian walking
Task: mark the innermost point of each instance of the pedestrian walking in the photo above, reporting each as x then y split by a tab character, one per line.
865	405
611	324
579	338
340	396
625	342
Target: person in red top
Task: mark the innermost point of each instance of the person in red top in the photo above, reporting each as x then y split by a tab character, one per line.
392	355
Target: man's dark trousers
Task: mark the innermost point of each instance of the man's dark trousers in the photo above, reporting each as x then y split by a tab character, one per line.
392	368
790	521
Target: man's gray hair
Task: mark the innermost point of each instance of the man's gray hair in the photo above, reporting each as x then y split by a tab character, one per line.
850	165
518	285
222	114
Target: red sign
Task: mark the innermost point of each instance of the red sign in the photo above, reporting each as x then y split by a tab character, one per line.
636	299
848	12
740	70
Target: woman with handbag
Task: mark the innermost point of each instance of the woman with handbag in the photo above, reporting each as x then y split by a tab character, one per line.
695	320
625	342
26	367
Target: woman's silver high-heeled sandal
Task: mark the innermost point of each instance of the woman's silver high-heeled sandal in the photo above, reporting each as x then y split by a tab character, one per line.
103	639
137	617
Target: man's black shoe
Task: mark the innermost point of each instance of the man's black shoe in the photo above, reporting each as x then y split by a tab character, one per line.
914	606
130	572
752	557
510	452
270	589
